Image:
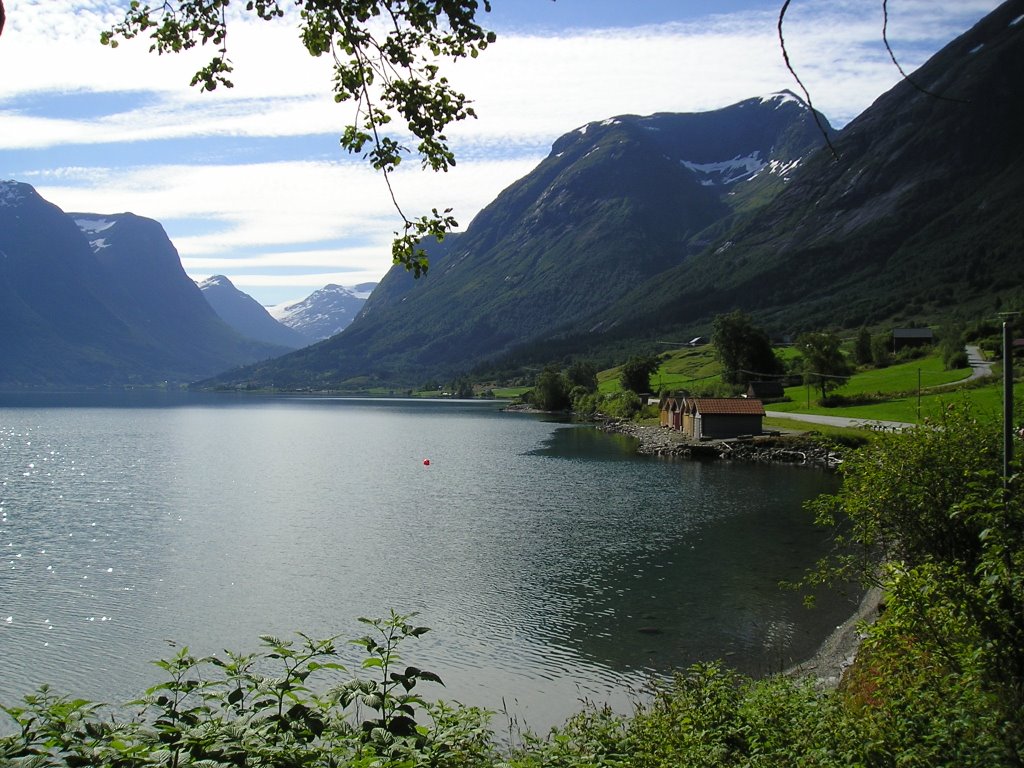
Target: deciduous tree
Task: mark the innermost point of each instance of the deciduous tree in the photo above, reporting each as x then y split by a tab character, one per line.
636	373
824	364
582	374
551	392
744	349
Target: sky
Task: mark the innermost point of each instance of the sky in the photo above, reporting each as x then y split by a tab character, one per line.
251	183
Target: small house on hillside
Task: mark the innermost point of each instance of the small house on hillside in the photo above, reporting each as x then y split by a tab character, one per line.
911	337
766	390
719	418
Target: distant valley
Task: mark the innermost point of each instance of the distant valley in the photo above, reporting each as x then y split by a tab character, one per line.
325	312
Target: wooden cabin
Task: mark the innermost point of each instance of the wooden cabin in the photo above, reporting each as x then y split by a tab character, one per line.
719	418
670	412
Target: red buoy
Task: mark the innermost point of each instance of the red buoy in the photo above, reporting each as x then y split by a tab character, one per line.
426	462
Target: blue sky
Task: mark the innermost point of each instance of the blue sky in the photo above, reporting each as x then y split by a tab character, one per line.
250	182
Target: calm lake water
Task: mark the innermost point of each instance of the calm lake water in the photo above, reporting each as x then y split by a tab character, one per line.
551	562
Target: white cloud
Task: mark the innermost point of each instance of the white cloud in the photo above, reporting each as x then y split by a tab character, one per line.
253	213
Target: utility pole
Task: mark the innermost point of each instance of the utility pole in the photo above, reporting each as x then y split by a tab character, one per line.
1007	396
918	395
1007	401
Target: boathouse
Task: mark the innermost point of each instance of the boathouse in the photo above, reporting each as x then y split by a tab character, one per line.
719	418
671	412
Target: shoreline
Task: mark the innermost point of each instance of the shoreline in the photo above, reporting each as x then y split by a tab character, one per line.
838	651
772	448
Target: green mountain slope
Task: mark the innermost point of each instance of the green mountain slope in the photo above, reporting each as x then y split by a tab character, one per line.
920	215
635	229
615	203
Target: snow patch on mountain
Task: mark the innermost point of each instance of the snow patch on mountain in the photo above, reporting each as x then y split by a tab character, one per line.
725	172
11	193
779	168
215	281
94	226
324	312
781	98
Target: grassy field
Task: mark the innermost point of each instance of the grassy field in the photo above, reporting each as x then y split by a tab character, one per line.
680	369
897	390
895	387
848	434
509	393
902	378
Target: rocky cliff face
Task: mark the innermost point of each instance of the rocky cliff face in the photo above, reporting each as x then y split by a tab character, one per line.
101	301
246	315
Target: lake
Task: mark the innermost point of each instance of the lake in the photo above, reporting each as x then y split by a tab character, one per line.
552	563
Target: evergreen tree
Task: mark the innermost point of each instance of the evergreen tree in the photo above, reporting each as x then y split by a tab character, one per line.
862	347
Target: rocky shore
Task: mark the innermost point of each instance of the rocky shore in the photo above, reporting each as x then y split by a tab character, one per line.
827	666
788	449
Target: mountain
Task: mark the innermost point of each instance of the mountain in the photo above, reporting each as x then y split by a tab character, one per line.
918	215
615	203
642	228
90	299
324	312
246	315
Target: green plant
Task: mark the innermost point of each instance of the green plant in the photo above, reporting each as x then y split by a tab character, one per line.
743	349
862	347
551	392
390	695
260	709
635	375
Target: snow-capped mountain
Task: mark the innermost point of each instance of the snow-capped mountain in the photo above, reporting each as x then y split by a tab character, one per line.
324	312
246	315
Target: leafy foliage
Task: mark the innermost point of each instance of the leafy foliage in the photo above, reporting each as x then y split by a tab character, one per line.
385	55
823	363
582	373
950	646
261	709
636	373
743	348
862	347
881	355
551	392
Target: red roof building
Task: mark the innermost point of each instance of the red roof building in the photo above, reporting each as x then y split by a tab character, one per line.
718	418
